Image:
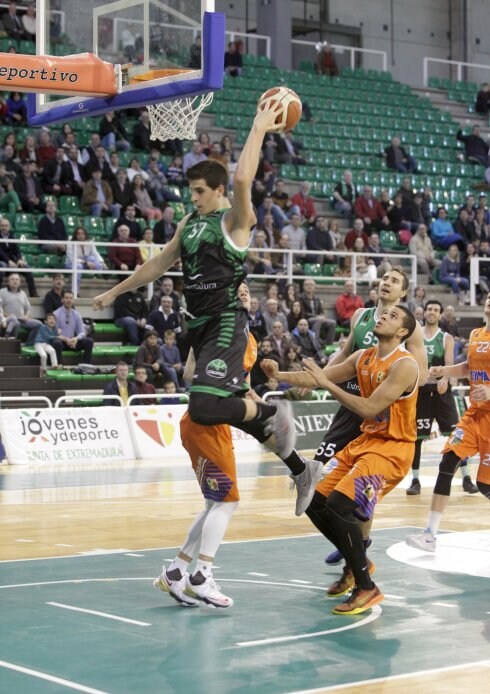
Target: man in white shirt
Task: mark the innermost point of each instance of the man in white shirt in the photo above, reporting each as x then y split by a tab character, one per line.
194	156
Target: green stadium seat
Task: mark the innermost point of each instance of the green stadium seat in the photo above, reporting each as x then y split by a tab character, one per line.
94	225
25	223
69	204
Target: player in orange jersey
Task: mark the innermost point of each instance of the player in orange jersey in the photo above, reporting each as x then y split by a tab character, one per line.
213	460
471	434
377	460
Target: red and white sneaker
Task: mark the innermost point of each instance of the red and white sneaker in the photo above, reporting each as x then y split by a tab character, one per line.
208	591
176	588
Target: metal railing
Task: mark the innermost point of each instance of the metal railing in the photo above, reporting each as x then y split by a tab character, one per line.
26	399
352	50
74	398
460	65
287	271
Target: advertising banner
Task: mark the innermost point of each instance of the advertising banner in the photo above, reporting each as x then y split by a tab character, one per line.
68	435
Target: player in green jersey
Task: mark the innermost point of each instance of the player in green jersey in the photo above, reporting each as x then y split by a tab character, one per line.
435	399
212	243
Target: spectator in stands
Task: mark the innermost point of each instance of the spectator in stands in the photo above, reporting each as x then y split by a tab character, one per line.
77	174
157	184
45	149
43	343
415	213
60	137
304	202
292	149
128	218
314	313
194	60
365	269
120	386
258	257
418	299
271	315
372	299
290	295
308	343
368	208
484	252
296	235
142	132
420	245
292	359
398	158
406	191
124	257
122	192
101	161
10	139
51	227
272	232
142	387
143	201
12	23
257	376
11	256
376	253
464	226
53	299
205	142
475	147
29	23
113	133
164	229
171	357
319	239
97	199
279	339
333	232
450	274
56	178
233	61
16	109
344	194
194	156
482	287
481	227
256	321
227	145
130	312
28	188
325	60
149	356
9	200
29	150
71	333
83	256
280	196
166	289
469	206
449	324
17	310
134	169
147	247
482	103
397	215
295	314
442	231
280	261
175	172
347	304
356	232
482	205
88	152
164	318
269	207
10	162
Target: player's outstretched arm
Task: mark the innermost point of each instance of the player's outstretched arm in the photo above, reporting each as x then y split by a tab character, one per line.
455	371
148	272
401	378
415	345
241	217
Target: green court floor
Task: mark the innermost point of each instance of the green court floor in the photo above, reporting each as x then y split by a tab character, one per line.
280	636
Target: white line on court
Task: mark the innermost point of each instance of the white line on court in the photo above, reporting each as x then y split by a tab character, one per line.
391	678
20	540
445	604
256	573
99	614
298	580
375	613
50	678
60	544
133	554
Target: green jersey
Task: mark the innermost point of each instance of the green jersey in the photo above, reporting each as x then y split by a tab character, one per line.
435	348
363	338
212	266
363	330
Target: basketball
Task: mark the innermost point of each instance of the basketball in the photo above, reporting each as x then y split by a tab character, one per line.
290	114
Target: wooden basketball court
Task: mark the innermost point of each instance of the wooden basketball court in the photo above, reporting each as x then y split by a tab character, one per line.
79	548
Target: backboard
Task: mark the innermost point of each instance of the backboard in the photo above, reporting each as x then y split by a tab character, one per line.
157	41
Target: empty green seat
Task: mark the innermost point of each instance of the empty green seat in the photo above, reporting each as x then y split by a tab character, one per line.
69	204
25	223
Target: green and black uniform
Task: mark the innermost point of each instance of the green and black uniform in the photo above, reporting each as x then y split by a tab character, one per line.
213	269
346	425
430	404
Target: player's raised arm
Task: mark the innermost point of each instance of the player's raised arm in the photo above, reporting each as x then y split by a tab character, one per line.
241	217
148	272
316	376
415	345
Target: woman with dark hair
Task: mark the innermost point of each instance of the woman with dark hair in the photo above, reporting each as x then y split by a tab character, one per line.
143	200
10	139
17	109
290	295
60	137
442	231
83	256
295	314
205	141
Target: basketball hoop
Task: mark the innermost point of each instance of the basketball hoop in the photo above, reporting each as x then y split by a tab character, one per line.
177	119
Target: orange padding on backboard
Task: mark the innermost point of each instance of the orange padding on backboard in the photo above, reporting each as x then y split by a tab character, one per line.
158	74
83	74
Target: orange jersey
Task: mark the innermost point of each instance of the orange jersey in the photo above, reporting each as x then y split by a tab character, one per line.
479	363
398	421
250	354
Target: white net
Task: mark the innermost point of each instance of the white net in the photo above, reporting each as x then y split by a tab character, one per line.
177	119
